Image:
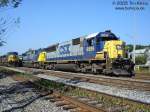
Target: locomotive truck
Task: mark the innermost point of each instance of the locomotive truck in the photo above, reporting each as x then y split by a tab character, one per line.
101	52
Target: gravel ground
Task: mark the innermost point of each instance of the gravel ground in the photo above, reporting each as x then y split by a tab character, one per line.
21	97
137	95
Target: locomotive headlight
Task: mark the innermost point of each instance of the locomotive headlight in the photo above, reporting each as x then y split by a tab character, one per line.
119	47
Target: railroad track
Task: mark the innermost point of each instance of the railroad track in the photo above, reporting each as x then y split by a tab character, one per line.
143	85
71	103
119	82
137	84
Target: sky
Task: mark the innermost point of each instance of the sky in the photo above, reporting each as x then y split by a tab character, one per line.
46	22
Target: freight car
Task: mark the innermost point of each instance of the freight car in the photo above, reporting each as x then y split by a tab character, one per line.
101	52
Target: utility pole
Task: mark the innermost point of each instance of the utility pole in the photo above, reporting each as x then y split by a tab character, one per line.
134	37
134	47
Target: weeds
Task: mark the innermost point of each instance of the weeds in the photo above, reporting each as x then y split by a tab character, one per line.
108	101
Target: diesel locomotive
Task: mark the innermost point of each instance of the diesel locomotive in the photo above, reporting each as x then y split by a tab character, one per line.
97	53
11	59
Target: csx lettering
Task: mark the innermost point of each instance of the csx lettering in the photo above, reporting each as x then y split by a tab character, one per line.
64	49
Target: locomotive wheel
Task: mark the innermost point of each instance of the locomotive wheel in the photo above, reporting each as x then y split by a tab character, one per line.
94	70
107	72
83	70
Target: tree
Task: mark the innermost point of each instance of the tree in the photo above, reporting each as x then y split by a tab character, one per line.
129	48
142	46
9	3
6	23
139	60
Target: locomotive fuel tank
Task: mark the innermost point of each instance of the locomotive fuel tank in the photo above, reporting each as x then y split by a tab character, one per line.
66	67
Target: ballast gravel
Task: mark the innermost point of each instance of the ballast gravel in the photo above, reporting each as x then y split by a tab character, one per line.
137	95
19	97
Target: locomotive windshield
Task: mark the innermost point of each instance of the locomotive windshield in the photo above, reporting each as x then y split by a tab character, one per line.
12	53
109	37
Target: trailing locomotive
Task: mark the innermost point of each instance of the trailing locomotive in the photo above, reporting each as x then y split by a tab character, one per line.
11	59
100	52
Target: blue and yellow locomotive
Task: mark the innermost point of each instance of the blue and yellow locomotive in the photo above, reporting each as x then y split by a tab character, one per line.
100	52
11	59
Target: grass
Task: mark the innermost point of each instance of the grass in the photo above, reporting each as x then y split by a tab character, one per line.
25	75
51	84
6	71
108	101
143	70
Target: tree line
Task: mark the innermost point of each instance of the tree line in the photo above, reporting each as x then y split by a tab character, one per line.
129	47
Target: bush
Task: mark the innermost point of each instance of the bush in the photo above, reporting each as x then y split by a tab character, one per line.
139	60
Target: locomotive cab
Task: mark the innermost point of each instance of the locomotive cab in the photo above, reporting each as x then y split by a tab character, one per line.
112	46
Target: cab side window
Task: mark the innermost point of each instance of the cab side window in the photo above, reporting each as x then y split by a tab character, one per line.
90	42
97	41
